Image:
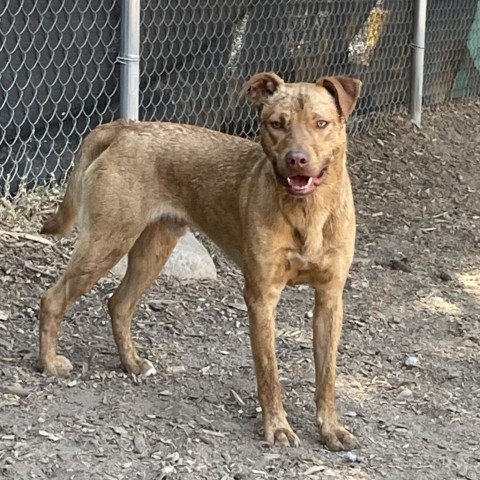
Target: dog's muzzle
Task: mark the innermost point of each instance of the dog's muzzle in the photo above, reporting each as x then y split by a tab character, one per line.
301	185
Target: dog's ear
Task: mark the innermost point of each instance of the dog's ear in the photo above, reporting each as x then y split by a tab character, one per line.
345	91
261	86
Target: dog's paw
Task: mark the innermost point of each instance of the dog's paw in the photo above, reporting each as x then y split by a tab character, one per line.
279	432
147	369
336	438
140	366
60	367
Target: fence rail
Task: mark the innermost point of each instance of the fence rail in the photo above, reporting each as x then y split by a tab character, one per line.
60	70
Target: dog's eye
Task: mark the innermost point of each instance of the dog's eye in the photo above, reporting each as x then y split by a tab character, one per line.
276	124
322	124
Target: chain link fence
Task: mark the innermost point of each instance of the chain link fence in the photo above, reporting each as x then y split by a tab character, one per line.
58	79
452	54
59	75
197	57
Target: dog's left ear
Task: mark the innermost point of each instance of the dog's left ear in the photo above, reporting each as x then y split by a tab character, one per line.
345	91
261	86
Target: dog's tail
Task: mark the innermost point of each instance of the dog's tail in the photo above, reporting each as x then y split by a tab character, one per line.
64	219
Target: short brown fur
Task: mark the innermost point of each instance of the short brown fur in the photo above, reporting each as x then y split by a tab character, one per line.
137	185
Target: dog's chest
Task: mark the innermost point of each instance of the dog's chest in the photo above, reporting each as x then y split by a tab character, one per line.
304	268
306	248
304	257
302	265
298	261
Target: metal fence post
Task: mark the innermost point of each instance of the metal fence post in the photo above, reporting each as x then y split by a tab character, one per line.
418	54
130	59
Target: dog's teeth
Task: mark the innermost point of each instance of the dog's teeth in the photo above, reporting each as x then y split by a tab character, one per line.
289	180
310	180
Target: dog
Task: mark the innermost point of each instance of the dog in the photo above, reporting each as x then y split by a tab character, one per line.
281	209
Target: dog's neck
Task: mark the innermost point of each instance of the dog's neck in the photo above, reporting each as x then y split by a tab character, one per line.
309	216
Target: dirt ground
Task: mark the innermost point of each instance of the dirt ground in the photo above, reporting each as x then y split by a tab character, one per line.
413	293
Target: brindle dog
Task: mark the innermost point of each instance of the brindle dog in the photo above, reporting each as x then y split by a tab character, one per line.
282	210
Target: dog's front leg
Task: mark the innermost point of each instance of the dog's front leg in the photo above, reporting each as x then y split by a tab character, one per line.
261	299
327	327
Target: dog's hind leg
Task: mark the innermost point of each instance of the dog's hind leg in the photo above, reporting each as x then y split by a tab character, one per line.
95	254
145	261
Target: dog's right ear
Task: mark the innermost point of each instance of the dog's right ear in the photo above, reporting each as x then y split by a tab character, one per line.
260	87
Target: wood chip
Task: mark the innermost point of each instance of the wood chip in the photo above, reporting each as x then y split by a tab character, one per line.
238	306
213	433
314	469
41	271
175	369
15	390
120	431
26	236
237	398
50	436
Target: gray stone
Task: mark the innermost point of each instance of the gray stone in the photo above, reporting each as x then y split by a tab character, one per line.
412	361
190	260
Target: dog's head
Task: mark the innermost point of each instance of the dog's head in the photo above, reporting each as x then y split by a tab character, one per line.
303	126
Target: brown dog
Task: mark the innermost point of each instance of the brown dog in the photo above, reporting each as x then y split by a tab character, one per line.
282	210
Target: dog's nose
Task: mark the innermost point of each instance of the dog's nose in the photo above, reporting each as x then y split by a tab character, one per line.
296	159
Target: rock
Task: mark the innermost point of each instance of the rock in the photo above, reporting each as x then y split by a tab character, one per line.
405	393
445	276
120	268
411	361
168	470
353	457
139	444
402	265
189	260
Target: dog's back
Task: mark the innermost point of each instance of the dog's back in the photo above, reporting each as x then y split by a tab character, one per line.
184	155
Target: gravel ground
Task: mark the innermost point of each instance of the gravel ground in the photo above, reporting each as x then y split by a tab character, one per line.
413	297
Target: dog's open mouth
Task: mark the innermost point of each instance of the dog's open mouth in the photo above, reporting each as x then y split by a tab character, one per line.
302	185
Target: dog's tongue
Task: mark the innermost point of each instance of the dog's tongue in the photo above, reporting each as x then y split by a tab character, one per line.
298	181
